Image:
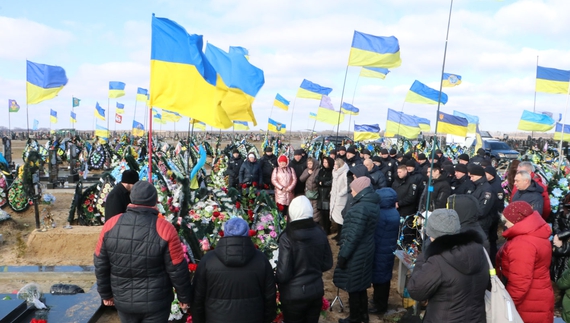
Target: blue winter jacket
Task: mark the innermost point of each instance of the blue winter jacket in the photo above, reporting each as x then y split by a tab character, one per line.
386	236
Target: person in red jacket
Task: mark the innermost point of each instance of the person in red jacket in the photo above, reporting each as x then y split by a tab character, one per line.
529	167
524	263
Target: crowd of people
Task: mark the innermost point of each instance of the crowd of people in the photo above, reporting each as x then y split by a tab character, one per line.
361	198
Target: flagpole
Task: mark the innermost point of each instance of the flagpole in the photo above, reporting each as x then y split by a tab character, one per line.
135	113
109	111
534	106
9	125
150	146
352	102
290	122
562	134
438	107
341	98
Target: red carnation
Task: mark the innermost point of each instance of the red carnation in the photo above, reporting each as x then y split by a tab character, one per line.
252	233
90	209
238	205
192	267
221	233
280	207
254	184
216	214
243	185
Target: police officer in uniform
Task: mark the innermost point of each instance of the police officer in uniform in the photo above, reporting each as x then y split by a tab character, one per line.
484	194
389	167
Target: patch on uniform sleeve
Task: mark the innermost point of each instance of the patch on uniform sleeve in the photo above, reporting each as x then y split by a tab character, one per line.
487	195
500	196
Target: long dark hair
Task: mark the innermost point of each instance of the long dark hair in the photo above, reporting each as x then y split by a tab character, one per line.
512	172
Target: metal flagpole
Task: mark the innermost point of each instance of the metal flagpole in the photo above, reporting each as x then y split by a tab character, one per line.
534	106
352	102
291	122
341	98
27	114
429	187
562	133
150	145
135	113
109	111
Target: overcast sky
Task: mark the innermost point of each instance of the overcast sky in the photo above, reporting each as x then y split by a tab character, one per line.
493	45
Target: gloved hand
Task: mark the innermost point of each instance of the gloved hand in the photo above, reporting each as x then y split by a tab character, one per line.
341	263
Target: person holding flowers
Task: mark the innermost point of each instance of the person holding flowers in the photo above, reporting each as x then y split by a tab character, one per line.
299	269
284	180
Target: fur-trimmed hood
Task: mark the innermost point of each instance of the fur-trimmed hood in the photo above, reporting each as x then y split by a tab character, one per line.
462	251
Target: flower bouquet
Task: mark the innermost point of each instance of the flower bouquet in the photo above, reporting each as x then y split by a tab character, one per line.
3	188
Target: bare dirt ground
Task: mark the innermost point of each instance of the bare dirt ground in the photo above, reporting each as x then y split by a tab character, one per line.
23	246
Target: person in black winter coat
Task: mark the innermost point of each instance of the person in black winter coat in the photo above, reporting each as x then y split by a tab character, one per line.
452	273
250	172
467	208
324	181
352	157
267	163
139	284
407	192
462	184
234	165
353	272
234	282
496	210
299	165
480	157
119	197
529	191
440	193
484	195
561	240
304	254
385	241
376	176
389	167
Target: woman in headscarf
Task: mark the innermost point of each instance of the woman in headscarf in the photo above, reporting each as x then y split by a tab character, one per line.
324	181
311	187
523	262
339	193
283	179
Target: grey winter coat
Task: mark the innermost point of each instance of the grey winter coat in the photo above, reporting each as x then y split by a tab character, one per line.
312	185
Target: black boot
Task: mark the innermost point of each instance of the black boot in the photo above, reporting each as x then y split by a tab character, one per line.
380	298
354	307
364	307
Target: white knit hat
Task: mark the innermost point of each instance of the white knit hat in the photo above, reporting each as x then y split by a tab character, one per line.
300	208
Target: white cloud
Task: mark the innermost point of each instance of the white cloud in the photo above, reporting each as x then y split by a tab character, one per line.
22	38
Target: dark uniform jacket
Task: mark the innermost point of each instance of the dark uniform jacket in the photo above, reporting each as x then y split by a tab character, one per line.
407	191
234	165
117	201
377	178
438	197
389	168
464	185
299	167
486	198
267	164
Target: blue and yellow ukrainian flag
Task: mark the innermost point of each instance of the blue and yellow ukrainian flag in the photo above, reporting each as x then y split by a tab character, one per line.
43	82
198	124
157	117
552	80
73	117
421	93
239	51
170	116
375	72
531	121
275	126
241	79
36	125
452	125
280	102
473	120
327	114
181	77
348	108
120	108
142	94
75	102
478	139
399	123
451	80
312	115
52	116
374	51
138	129
310	90
425	124
560	132
116	89
99	112
366	132
241	125
102	133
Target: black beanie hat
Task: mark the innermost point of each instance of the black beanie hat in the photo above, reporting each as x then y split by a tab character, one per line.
377	159
341	148
393	151
411	163
476	170
268	149
235	151
298	152
351	150
422	156
461	168
464	157
129	177
384	151
144	193
365	151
